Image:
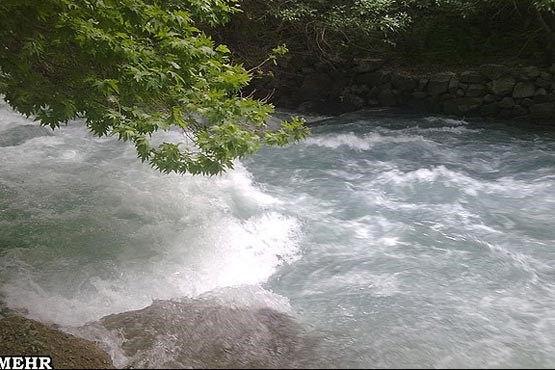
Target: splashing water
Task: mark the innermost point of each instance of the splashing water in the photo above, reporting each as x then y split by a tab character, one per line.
406	242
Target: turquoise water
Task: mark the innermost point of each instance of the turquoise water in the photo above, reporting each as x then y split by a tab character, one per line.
404	241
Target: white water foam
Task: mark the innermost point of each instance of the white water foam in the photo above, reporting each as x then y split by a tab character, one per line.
362	142
106	234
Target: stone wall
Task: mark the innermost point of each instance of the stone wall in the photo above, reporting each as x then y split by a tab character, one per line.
490	90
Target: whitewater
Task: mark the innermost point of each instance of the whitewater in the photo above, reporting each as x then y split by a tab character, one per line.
390	241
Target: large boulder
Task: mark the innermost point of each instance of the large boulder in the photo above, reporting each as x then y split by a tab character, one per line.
387	98
476	90
439	83
313	85
507	102
529	73
524	90
471	77
494	71
24	337
502	86
403	83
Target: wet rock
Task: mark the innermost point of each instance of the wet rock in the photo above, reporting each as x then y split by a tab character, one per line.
20	134
207	334
21	336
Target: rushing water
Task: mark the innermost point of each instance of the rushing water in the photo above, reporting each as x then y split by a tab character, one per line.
391	241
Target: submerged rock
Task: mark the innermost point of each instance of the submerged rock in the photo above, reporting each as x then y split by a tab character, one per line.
205	333
20	134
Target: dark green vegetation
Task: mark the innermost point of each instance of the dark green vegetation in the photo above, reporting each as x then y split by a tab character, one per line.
408	31
131	68
134	67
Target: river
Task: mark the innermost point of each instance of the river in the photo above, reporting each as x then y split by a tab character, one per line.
380	241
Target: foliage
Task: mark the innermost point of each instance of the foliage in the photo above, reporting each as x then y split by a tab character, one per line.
131	68
436	31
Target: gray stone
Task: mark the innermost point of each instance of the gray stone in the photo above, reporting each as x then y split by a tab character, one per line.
439	83
540	92
387	98
374	91
403	83
313	85
368	65
494	71
419	95
506	103
552	69
422	84
476	90
543	83
489	109
502	86
490	98
524	90
471	77
354	101
529	73
446	96
461	105
542	98
545	76
372	103
374	78
543	110
460	92
519	111
463	86
526	102
453	85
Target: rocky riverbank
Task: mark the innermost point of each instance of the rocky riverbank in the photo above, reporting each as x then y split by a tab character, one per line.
489	90
25	337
